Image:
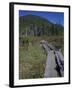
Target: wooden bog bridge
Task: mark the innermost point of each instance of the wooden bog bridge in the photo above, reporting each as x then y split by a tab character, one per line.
55	61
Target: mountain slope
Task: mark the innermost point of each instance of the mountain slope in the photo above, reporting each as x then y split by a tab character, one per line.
31	24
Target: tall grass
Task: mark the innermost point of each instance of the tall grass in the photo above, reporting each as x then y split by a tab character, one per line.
32	57
32	62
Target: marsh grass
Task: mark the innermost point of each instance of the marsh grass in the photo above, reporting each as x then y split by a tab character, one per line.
32	57
32	62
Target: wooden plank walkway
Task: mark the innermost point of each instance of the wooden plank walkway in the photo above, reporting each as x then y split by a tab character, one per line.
50	70
55	61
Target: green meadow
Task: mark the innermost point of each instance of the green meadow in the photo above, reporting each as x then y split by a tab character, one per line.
32	57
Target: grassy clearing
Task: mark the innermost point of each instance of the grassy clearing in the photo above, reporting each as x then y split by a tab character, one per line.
32	57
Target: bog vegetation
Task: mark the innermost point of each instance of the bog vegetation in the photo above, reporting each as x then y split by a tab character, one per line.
32	57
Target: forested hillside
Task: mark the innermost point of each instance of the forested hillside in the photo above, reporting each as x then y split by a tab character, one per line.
38	26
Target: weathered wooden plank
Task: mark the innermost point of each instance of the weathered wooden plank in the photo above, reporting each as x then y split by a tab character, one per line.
50	70
60	62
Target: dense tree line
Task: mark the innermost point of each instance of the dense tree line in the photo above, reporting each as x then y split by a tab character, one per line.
36	30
